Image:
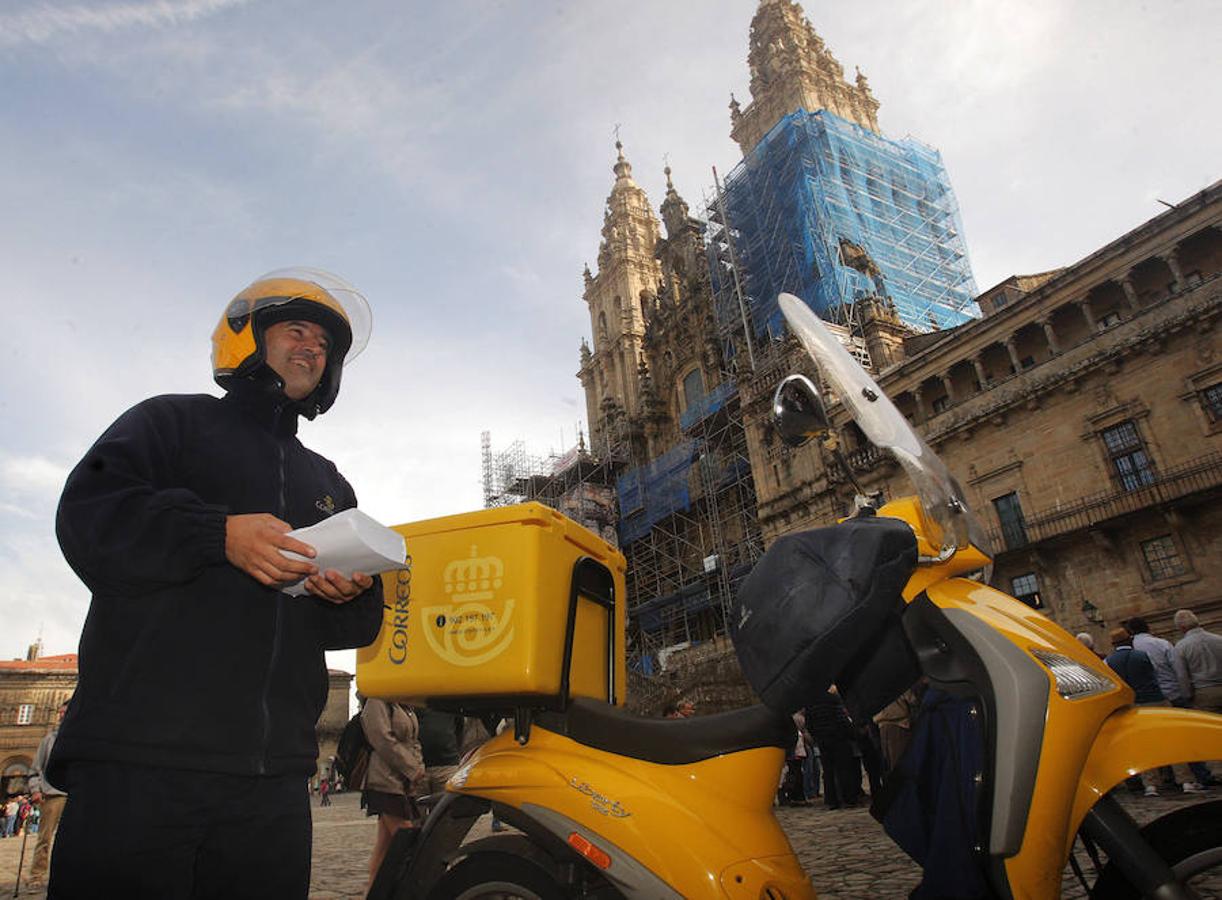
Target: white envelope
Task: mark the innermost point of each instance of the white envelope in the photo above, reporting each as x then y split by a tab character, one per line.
348	542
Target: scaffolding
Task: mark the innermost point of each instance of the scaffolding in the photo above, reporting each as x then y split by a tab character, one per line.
689	529
575	482
832	212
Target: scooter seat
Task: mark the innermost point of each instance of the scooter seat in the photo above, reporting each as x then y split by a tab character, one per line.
669	741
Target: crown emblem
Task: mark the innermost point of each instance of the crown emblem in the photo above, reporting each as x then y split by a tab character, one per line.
475	578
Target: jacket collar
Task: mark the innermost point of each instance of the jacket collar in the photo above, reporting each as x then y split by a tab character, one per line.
263	399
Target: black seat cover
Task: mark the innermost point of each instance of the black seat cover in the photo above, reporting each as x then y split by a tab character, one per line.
669	741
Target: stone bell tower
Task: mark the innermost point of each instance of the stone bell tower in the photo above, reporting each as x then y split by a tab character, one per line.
791	69
611	370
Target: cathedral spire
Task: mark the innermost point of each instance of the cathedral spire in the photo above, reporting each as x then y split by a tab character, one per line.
791	69
674	208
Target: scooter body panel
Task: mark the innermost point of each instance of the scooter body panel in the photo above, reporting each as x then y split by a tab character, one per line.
695	826
1140	738
1045	751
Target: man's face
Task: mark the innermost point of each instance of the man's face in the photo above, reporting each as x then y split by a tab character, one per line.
296	350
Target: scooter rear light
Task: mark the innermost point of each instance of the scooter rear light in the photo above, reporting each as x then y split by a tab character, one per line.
583	846
1074	681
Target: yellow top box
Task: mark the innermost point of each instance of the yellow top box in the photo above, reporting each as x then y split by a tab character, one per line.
480	618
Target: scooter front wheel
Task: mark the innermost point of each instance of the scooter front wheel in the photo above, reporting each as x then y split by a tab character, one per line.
1189	840
497	876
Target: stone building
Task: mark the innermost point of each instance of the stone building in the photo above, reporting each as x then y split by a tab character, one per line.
792	69
1082	415
664	420
31	690
335	716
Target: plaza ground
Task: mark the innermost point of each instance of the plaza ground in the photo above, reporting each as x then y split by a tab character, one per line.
845	851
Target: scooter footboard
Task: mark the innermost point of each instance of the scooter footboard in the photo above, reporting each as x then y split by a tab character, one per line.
1138	738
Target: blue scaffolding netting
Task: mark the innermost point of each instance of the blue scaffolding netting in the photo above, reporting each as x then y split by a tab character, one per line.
710	403
650	493
816	189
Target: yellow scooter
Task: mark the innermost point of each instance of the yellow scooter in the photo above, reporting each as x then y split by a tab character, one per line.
608	804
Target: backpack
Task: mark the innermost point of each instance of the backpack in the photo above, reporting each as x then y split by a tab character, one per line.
352	753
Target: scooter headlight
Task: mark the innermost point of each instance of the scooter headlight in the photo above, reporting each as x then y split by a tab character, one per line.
1074	681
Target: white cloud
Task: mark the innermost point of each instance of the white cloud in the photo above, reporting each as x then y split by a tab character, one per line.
49	23
31	474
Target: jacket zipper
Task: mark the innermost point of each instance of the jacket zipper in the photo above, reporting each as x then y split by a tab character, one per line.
281	512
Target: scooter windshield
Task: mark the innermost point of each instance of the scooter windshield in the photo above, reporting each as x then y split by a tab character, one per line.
940	495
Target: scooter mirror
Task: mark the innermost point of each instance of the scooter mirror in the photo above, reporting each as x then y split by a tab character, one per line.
798	412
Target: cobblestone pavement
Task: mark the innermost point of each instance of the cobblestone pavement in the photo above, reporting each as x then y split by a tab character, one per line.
845	851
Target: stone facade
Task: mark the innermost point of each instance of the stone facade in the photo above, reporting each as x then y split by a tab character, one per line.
31	690
792	69
611	372
1083	417
335	716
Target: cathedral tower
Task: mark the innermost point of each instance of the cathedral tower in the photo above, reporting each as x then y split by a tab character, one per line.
791	69
627	269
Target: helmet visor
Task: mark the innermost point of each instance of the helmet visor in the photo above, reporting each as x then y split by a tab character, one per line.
335	293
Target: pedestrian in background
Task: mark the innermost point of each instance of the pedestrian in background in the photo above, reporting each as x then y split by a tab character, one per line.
324	793
11	806
1172	680
50	799
1138	673
441	736
396	775
828	723
894	723
1201	653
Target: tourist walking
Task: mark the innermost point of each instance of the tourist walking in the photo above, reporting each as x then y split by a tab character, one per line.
396	775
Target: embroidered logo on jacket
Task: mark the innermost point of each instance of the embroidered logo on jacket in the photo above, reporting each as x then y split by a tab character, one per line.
326	505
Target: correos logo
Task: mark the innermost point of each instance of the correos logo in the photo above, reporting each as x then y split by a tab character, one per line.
475	626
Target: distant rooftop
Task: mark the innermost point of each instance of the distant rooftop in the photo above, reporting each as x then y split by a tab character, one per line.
65	662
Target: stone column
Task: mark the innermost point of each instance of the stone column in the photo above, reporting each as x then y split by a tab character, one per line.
1046	324
918	404
1014	361
978	365
950	388
1172	259
1084	305
1130	293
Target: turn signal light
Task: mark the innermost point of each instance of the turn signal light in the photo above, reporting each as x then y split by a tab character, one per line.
589	851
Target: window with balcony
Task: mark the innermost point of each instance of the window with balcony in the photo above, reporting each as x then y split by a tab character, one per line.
25	713
1027	589
1010	516
1163	558
940	403
1131	464
1112	318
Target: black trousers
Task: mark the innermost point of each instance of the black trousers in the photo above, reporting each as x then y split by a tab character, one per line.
841	771
136	832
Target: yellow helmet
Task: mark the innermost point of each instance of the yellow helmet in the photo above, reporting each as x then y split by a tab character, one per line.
311	295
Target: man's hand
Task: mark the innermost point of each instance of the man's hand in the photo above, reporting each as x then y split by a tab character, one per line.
333	586
253	543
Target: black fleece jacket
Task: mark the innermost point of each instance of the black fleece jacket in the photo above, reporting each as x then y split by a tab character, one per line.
187	662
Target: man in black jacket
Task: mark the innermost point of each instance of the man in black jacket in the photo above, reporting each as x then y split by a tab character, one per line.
188	744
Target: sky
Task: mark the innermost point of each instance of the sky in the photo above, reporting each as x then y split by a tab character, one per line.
452	161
